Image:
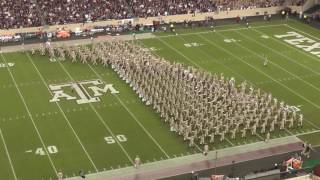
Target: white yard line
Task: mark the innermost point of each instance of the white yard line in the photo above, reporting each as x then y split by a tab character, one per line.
205	53
229	142
198	147
191	61
260	137
255	85
8	155
306	133
258	70
63	114
252	52
291	90
292	47
234	29
180	53
305	53
187	58
285	56
132	115
288	79
30	115
301	31
297	77
100	118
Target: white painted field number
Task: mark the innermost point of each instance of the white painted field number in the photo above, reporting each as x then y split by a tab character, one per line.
111	140
51	150
230	40
193	44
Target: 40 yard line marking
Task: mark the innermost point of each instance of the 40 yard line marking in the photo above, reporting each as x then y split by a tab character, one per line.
99	117
30	115
63	114
133	116
8	155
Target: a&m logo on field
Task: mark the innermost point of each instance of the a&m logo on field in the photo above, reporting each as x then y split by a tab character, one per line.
82	92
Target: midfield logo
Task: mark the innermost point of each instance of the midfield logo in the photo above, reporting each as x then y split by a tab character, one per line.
83	92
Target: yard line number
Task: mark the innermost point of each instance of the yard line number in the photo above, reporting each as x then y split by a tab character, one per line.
51	150
193	44
231	40
119	137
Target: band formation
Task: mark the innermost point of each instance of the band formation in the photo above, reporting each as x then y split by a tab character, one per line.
198	105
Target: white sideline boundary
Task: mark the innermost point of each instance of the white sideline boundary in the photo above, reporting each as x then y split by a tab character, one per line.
265	73
252	52
8	155
223	30
191	61
63	114
275	64
100	118
30	115
258	70
174	162
287	57
132	115
235	30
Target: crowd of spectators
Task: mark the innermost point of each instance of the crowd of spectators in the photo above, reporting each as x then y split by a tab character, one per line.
15	14
147	8
66	11
28	13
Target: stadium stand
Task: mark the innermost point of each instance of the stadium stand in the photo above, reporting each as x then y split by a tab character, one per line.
33	13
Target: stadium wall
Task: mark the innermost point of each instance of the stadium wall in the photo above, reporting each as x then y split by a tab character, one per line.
309	3
166	19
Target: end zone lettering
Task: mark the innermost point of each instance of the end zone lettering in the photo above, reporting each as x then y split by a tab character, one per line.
83	92
302	42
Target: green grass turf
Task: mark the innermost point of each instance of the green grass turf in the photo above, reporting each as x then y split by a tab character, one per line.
29	121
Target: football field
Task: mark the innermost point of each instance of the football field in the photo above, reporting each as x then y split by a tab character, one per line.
95	129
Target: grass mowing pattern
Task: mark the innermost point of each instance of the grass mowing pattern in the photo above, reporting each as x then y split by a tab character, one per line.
78	131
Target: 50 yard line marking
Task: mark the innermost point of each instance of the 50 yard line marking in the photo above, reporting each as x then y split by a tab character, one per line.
63	114
133	116
99	117
8	155
29	114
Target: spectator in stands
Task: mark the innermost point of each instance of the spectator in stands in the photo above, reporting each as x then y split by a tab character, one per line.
30	13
